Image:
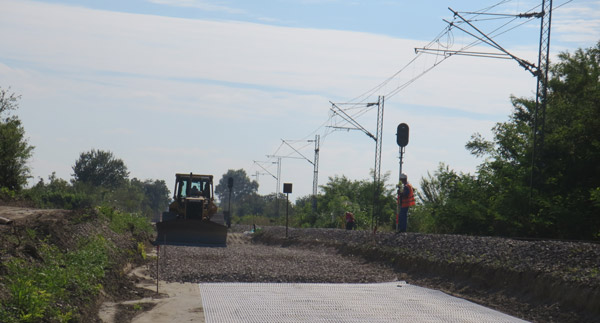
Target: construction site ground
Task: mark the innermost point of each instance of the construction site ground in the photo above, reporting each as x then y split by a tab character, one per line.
540	281
392	301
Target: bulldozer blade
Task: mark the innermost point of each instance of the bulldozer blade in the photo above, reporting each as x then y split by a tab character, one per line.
201	233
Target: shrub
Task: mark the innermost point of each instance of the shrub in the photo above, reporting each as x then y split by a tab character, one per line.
45	290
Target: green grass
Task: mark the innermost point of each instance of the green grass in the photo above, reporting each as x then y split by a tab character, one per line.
50	289
45	290
121	222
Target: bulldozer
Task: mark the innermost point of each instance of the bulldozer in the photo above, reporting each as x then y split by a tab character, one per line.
192	216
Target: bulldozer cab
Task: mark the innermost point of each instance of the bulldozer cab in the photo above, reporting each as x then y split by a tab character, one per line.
193	197
188	221
193	186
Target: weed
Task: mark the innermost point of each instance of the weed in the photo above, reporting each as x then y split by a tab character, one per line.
137	307
141	248
121	222
43	290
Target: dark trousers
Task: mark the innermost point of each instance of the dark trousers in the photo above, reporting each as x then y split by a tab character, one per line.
350	225
403	219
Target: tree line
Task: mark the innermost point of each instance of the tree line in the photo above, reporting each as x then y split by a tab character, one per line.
557	195
99	178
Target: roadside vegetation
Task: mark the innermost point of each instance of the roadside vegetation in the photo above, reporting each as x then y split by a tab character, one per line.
52	270
44	290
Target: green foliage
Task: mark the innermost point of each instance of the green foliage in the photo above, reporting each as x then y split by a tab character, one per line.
58	193
100	169
44	291
258	220
242	187
499	200
452	203
15	150
7	194
141	249
341	195
121	222
149	197
156	196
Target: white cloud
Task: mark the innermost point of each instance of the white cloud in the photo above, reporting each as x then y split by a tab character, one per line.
199	4
135	84
577	22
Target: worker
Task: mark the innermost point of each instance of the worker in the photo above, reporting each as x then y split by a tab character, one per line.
350	221
195	191
406	198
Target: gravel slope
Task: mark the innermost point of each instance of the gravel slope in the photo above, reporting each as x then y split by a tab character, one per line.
542	281
243	261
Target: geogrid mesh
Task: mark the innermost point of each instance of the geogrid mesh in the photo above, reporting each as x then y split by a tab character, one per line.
381	302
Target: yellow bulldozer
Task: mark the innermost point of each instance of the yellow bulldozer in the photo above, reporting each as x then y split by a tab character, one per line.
192	219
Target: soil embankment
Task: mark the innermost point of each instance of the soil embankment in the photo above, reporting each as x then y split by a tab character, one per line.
49	241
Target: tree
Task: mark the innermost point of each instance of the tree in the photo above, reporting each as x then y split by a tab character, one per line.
340	195
100	169
15	150
242	186
563	203
571	153
156	196
453	203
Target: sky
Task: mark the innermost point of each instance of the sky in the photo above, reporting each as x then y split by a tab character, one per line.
205	86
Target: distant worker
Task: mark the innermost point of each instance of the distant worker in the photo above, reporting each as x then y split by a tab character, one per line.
350	224
406	198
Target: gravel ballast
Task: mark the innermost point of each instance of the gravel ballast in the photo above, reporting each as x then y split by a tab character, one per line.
543	281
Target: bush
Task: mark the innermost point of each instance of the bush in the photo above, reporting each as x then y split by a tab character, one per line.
121	222
45	290
7	194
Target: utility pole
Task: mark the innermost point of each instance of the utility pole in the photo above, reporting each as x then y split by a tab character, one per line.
315	164
378	138
316	173
279	177
541	93
377	169
266	170
257	175
540	72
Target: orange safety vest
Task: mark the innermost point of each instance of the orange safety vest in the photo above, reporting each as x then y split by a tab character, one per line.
410	199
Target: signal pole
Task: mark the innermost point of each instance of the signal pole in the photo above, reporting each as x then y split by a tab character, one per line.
402	140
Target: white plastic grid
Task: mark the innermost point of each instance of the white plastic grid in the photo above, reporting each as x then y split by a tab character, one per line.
380	302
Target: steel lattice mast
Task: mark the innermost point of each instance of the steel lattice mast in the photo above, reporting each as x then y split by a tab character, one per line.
316	173
377	169
539	117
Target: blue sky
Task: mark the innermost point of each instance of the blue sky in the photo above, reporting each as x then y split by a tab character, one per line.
206	86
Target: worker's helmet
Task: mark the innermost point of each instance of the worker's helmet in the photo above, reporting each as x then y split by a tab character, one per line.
403	176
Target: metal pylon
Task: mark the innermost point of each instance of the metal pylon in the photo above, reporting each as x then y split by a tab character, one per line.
377	169
316	173
539	117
